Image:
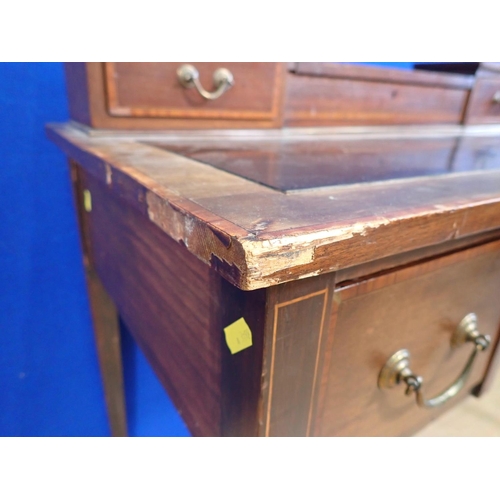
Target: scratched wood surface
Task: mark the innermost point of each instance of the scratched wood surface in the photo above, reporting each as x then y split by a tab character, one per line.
177	308
295	165
257	236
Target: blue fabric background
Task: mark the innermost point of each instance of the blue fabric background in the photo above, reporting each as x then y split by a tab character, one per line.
49	376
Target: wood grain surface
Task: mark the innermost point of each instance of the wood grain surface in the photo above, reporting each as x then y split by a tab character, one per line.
160	291
295	165
417	308
152	89
314	101
255	236
306	336
104	320
297	323
177	308
135	96
124	97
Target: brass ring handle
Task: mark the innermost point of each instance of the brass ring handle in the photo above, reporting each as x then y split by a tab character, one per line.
397	368
496	97
189	77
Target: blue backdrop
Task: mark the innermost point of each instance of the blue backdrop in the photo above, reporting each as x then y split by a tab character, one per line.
49	376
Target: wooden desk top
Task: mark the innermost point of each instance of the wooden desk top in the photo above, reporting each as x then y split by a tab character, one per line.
266	207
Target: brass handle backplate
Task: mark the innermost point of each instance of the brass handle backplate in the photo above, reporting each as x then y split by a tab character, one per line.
189	77
496	97
397	368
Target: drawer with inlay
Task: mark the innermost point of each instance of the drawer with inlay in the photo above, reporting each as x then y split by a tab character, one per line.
411	331
176	95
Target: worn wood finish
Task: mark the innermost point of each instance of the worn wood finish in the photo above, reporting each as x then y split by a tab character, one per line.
297	322
482	108
295	165
105	100
291	165
338	246
321	101
105	323
176	308
163	302
416	308
255	236
362	271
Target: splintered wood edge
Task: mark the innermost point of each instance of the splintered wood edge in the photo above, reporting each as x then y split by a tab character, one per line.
253	260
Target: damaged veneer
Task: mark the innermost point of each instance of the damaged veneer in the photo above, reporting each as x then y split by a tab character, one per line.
330	280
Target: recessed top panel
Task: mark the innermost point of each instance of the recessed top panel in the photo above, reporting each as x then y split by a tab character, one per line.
289	164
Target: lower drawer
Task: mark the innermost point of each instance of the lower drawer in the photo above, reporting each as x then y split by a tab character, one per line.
417	308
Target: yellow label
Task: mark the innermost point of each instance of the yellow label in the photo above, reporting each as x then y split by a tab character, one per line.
238	336
87	200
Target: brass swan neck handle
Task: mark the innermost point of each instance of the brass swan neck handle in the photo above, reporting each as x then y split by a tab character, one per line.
397	368
189	77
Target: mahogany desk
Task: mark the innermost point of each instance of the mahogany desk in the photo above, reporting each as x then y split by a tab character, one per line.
338	247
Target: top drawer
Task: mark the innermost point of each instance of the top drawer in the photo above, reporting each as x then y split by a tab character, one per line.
153	89
150	95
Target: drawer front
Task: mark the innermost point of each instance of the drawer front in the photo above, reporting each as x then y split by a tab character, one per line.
418	309
484	103
321	101
153	90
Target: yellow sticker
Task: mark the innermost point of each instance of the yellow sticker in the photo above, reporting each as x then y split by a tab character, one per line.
238	336
87	200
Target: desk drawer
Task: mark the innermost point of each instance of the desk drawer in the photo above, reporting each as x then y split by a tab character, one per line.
321	101
143	96
154	90
484	104
418	309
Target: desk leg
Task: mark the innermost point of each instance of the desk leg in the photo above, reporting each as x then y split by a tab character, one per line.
105	323
107	338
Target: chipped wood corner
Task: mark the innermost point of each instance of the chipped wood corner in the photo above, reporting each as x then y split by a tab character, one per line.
299	234
212	245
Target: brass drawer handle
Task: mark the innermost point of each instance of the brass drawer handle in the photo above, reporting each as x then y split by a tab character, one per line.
496	97
397	368
189	77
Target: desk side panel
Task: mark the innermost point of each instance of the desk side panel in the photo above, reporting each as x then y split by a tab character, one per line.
167	298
